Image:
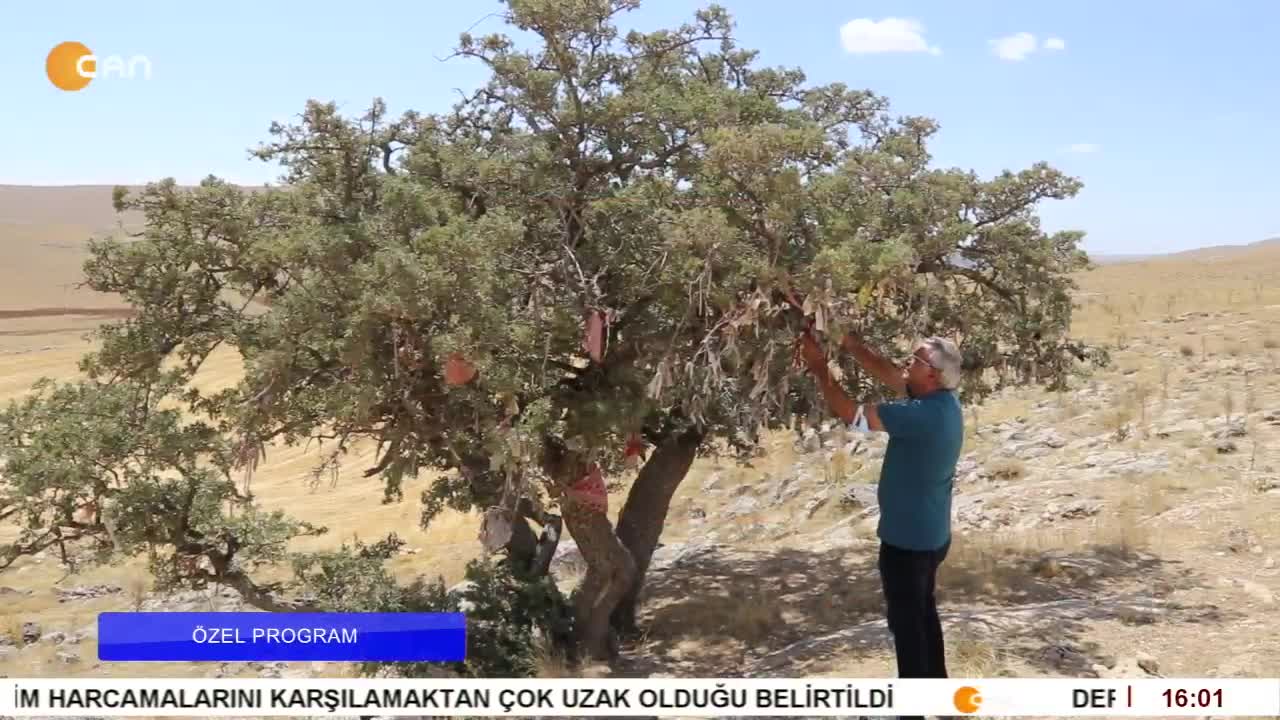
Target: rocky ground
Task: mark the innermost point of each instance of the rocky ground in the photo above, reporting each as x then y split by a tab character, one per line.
1123	528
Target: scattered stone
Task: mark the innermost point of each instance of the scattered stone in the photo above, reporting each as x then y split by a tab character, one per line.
786	489
811	442
1235	429
57	637
1267	483
31	633
6	591
1029	445
568	558
87	592
1269	563
68	658
742	505
1072	510
812	507
1047	567
1258	591
1117	462
712	482
1226	447
1141	666
667	556
1063	656
1240	540
860	496
456	592
968	469
214	599
1183	426
697	513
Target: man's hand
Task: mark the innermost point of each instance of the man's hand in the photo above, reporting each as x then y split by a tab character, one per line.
839	401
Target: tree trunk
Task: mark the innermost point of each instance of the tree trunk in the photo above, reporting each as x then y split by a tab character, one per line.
645	514
610	567
611	571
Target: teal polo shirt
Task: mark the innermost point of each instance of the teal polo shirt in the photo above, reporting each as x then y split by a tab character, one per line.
916	479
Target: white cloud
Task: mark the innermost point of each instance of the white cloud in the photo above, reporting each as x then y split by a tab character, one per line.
1082	148
1014	47
1055	43
863	36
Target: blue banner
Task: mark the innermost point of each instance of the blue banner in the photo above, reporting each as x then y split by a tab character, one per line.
264	636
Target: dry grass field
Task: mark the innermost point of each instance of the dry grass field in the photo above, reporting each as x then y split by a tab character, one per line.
1126	526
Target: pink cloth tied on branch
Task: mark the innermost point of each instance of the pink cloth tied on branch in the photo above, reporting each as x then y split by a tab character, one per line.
590	491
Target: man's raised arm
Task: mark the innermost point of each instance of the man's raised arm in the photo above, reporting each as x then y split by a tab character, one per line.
874	363
845	407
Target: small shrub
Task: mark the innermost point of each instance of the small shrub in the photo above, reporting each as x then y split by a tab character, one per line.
1187	351
1006	468
137	586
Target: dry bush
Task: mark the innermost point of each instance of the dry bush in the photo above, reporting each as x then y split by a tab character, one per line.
1006	468
971	656
1135	616
1138	303
137	585
1138	395
753	617
12	631
748	616
839	468
1187	351
1121	335
1250	401
551	662
1117	419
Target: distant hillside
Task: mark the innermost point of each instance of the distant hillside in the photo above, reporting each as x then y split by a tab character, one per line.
1213	251
44	229
1201	253
44	234
84	206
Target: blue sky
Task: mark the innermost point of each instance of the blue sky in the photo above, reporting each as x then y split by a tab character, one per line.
1168	111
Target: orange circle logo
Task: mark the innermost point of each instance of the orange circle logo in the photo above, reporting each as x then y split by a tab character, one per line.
967	699
70	66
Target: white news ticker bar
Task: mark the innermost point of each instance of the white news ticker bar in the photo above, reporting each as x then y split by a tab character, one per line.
663	697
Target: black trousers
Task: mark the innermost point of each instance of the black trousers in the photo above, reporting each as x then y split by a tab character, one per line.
909	578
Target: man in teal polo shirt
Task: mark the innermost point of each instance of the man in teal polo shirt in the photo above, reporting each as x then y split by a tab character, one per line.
925	425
